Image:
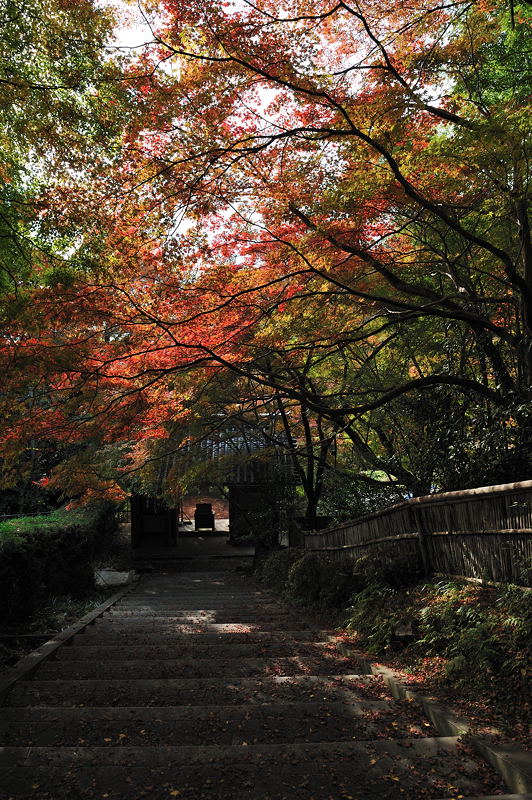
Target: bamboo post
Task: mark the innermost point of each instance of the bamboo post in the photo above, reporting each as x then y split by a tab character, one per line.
419	528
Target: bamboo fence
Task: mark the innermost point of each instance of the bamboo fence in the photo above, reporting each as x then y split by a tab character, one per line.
483	533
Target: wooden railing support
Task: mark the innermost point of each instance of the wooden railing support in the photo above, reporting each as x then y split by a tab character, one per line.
417	524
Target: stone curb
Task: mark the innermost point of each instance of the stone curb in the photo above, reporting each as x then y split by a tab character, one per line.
29	663
512	762
497	797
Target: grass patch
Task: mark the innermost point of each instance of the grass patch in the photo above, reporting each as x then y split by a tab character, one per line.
15	530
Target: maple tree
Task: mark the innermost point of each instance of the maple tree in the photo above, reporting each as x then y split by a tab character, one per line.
58	116
60	112
360	189
327	201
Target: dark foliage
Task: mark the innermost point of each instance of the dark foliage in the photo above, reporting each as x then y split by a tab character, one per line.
46	558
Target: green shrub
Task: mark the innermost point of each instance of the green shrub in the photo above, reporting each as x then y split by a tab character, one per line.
479	632
478	644
477	638
47	555
19	527
442	625
273	569
515	628
304	578
373	614
338	583
456	668
396	573
313	580
309	578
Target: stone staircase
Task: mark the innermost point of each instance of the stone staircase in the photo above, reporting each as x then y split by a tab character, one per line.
201	685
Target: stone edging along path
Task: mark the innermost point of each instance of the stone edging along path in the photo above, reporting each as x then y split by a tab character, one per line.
29	663
512	762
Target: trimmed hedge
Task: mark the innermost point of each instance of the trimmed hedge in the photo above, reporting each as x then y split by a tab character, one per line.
47	555
308	578
313	580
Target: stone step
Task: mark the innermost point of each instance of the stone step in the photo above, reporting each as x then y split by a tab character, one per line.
187	589
262	718
187	600
202	615
182	603
188	564
182	755
184	588
58	669
238	725
386	770
15	716
210	580
92	636
169	624
211	615
192	691
194	607
183	584
183	649
186	629
494	797
199	578
192	586
222	584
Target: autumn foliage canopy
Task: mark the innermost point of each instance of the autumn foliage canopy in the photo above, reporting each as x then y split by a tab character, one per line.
316	213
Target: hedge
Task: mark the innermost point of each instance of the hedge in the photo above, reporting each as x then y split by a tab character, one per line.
311	579
50	554
308	578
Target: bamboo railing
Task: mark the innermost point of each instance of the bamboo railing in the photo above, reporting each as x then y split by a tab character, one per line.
483	533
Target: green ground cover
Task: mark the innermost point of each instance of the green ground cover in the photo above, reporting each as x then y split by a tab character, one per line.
469	644
16	529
